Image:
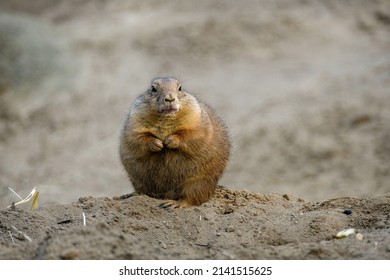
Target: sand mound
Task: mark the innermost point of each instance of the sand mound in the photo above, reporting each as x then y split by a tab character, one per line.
233	225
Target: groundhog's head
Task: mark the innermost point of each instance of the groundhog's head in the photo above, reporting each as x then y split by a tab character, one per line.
165	98
165	95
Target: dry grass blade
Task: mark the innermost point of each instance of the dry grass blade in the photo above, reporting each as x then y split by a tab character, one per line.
22	233
12	238
15	193
28	198
35	201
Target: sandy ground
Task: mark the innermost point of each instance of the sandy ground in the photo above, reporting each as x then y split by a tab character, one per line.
302	85
233	225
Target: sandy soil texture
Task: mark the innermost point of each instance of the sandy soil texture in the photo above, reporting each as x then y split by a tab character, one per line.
233	225
302	85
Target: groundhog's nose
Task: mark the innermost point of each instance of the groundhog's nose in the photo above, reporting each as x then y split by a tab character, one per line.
169	98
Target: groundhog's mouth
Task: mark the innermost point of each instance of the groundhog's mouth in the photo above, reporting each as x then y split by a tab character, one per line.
167	109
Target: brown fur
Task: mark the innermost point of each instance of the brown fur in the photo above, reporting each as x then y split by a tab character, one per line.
173	146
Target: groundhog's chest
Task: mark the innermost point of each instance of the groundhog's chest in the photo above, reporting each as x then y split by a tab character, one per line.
164	128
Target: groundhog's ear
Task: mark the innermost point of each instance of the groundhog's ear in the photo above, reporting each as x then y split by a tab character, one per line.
179	88
153	89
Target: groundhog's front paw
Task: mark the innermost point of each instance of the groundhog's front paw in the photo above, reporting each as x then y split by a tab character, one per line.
172	142
155	145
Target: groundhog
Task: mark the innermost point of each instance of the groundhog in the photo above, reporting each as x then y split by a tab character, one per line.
173	146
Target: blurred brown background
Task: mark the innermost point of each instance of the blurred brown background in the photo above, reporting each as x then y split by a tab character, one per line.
304	87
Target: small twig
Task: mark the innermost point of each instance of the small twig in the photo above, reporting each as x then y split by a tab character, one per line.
84	220
203	245
67	221
22	233
10	234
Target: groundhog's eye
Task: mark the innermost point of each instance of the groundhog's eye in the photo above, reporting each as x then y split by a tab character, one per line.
153	89
179	89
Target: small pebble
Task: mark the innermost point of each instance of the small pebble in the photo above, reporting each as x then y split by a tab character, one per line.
206	217
70	255
344	233
163	245
347	212
359	236
380	224
230	228
228	210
